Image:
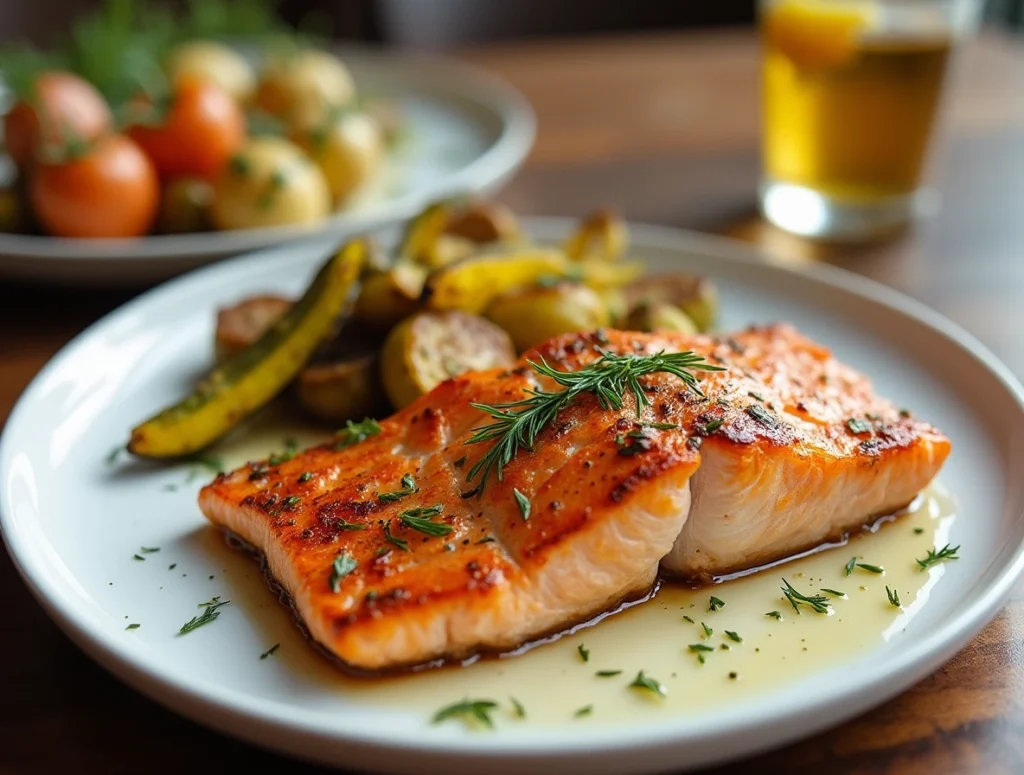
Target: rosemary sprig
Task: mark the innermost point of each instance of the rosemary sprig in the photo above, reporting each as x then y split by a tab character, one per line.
208	615
817	603
947	552
408	488
516	425
475	710
420	519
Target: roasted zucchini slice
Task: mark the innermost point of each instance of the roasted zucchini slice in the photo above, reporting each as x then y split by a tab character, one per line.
696	296
242	324
250	379
533	315
602	236
430	347
450	230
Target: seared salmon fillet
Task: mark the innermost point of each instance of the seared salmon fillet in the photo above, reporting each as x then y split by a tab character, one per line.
392	560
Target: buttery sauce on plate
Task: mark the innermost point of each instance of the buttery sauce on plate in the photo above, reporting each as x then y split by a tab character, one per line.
745	651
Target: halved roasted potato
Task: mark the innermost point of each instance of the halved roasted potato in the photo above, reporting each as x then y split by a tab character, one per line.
533	315
342	390
448	231
602	235
242	324
659	316
696	296
390	295
430	347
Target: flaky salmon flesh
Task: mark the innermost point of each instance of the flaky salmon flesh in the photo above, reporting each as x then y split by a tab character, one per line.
786	449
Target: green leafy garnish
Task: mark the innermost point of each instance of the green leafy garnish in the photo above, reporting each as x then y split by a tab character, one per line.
355	432
648	684
584	653
133	626
523	502
607	673
516	425
586	710
858	426
270	652
687	618
834	592
733	636
714	603
893	595
419	519
871	568
851	565
468	711
700	647
401	543
817	603
707	630
517	707
340	568
210	613
408	488
947	552
343	524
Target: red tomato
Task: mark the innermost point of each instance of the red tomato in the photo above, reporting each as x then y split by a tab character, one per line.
201	130
111	190
62	108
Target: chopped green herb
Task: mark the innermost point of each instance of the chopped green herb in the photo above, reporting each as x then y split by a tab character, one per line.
817	603
700	659
270	652
277	458
648	684
401	543
918	530
607	673
517	708
306	477
904	413
138	558
355	432
419	519
933	558
694	442
700	647
733	636
762	415
486	540
586	710
133	626
662	426
733	675
461	461
858	426
756	396
343	524
774	614
687	618
408	488
114	454
707	630
468	711
523	502
893	595
851	565
714	604
584	653
710	427
342	566
834	592
210	613
291	502
148	549
172	566
871	568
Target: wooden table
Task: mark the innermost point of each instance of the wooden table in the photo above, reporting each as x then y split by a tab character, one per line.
666	128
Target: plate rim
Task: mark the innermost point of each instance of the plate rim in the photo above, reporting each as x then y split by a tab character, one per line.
495	165
227	710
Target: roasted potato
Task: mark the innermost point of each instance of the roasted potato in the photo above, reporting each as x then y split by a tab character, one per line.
269	182
446	231
696	296
344	389
659	316
242	324
390	295
349	149
303	87
430	347
533	315
602	235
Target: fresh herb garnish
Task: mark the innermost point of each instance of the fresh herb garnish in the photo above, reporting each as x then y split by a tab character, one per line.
291	502
607	673
343	524
461	461
419	519
138	558
714	603
918	530
133	626
871	568
270	652
517	707
648	684
707	630
834	592
933	558
661	426
858	426
893	595
516	425
210	613
586	710
148	549
487	540
700	647
774	614
522	502
355	432
733	636
306	477
687	618
468	710
401	543
756	396
710	427
340	568
114	454
584	653
408	488
172	566
762	415
851	565
818	603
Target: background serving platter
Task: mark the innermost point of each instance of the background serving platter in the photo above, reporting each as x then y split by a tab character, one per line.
71	524
466	132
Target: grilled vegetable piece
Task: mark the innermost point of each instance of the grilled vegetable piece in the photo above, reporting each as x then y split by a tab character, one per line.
345	389
696	296
348	149
534	315
250	379
445	231
658	316
389	296
602	235
430	347
241	325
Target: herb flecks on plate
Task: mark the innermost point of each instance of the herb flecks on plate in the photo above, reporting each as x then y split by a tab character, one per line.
934	557
210	613
469	711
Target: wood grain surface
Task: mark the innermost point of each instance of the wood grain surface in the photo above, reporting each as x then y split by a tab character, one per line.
665	128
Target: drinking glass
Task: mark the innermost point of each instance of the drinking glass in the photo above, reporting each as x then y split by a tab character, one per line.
851	93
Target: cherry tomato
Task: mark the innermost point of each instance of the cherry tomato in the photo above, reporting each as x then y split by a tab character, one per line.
62	108
201	130
111	190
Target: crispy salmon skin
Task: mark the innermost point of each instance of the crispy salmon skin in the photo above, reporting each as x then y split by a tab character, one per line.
392	561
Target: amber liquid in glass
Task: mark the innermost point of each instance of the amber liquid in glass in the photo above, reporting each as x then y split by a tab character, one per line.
855	129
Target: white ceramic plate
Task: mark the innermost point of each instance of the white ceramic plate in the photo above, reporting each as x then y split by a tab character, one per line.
468	133
72	523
